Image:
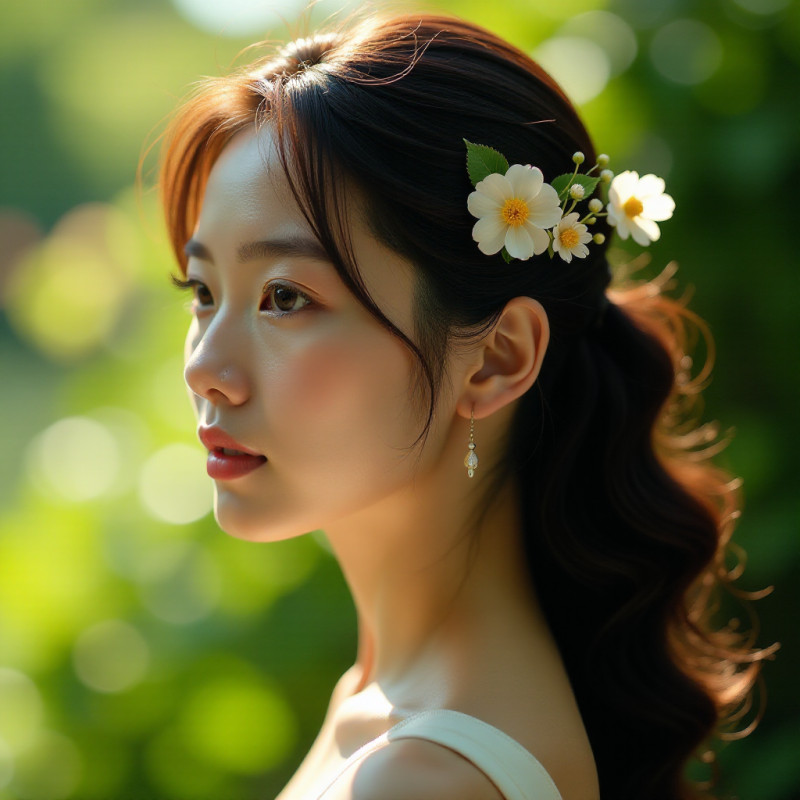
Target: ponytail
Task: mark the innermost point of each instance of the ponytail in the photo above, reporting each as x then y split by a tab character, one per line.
627	525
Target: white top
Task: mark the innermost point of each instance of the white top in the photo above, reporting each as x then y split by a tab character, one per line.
508	765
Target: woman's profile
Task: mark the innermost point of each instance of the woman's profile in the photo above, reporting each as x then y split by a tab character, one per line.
404	334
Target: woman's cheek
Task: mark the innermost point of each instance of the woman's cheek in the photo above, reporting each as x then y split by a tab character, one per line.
341	381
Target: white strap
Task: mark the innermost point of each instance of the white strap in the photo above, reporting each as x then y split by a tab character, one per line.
514	770
511	768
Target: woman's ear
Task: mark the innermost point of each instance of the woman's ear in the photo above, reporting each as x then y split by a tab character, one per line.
508	359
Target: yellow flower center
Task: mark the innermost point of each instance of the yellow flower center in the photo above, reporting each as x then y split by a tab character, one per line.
514	212
633	207
568	238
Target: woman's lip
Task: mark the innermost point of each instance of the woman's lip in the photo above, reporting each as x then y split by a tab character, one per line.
217	439
223	467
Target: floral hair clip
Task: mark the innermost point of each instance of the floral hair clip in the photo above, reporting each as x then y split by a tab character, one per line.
522	216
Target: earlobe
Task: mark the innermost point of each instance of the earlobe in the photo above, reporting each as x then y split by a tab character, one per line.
507	360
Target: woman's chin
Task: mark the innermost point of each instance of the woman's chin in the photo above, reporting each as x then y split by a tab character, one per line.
252	525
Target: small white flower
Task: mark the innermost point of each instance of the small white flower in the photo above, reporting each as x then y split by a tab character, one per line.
602	160
570	238
637	204
514	210
606	175
576	191
596	205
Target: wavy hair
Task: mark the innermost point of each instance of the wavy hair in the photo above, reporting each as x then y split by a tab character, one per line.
627	521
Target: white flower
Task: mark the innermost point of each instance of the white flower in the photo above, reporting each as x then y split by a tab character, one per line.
576	191
513	210
636	204
570	238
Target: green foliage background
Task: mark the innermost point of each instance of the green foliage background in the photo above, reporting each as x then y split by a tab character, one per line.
144	654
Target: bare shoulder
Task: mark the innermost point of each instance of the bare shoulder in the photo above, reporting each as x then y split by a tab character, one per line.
415	769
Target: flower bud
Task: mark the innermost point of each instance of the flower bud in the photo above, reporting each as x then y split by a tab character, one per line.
596	205
578	157
602	160
576	191
599	238
606	175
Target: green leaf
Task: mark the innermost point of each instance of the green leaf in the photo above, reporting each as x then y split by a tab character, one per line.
483	161
506	257
562	182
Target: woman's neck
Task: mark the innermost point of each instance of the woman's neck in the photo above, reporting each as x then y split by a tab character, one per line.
431	587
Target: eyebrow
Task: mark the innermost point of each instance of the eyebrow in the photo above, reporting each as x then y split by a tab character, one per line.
291	246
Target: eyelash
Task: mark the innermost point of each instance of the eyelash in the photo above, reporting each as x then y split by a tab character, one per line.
193	285
196	286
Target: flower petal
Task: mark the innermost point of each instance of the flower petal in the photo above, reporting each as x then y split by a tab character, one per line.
566	255
658	208
490	234
568	221
623	186
481	204
644	231
580	251
541	240
621	224
495	186
525	181
545	211
519	243
649	186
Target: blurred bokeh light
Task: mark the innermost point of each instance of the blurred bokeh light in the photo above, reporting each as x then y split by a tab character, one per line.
686	51
173	484
76	458
236	17
110	656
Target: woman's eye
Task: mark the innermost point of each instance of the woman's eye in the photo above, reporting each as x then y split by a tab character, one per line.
283	299
202	294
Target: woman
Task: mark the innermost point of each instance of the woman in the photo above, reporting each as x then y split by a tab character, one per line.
494	442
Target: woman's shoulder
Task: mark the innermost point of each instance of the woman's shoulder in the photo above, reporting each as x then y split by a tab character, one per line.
415	769
474	742
443	753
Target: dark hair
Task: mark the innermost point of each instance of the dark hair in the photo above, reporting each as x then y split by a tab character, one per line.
626	520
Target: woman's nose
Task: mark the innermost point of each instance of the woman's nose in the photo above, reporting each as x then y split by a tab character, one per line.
214	368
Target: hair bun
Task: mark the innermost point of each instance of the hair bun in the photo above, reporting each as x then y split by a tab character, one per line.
307	52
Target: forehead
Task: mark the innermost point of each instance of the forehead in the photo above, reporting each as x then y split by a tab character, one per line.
248	198
247	186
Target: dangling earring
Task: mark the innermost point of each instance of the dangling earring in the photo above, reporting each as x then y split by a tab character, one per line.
471	458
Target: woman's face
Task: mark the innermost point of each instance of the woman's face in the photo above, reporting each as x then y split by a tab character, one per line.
286	362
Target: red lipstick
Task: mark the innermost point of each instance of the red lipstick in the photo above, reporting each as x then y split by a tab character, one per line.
227	459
